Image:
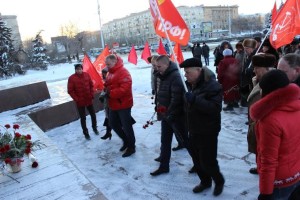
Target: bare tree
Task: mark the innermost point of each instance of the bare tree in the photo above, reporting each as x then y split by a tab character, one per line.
70	30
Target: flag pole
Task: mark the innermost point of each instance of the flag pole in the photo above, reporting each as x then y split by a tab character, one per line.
101	34
170	46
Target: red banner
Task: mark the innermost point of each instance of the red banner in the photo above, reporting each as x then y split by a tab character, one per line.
146	52
132	57
178	53
175	26
161	49
90	69
286	24
99	63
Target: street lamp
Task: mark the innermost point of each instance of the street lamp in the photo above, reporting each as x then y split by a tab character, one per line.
101	35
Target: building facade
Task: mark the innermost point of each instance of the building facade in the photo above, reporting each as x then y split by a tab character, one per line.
12	23
204	22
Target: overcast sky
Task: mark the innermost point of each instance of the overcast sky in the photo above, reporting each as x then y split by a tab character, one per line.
36	15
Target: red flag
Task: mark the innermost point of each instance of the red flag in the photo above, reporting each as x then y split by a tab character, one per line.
146	52
286	25
161	49
132	57
90	69
176	28
99	63
178	53
274	12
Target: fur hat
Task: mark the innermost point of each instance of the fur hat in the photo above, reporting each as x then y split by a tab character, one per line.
250	43
191	62
78	66
273	80
263	60
227	52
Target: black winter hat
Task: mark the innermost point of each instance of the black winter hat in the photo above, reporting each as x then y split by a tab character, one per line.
78	65
273	80
263	60
191	62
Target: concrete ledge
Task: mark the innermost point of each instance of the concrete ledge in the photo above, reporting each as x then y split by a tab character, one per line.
55	116
23	96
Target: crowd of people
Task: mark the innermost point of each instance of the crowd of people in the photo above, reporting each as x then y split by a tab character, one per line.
254	75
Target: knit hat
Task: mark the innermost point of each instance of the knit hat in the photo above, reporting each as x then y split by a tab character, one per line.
250	43
191	62
263	60
273	80
227	52
78	66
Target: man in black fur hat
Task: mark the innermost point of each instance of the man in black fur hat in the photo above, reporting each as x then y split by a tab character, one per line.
204	106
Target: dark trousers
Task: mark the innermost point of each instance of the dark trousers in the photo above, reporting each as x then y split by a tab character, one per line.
206	59
167	130
82	114
204	154
121	122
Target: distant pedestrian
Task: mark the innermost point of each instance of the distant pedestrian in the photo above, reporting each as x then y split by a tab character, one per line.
80	88
229	78
205	53
197	51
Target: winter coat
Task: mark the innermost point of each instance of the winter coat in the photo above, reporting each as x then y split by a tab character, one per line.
204	115
253	97
197	52
297	81
247	74
229	78
205	51
170	92
278	139
119	87
80	88
218	52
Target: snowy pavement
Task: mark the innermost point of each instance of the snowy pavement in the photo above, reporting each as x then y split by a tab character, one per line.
99	164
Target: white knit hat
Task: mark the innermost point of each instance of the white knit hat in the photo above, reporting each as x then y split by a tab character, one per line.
227	52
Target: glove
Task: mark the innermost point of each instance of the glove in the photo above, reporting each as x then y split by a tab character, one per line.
190	97
264	197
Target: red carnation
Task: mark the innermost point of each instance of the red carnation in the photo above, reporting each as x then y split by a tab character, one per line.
7	160
28	137
16	126
2	150
34	164
18	135
6	147
7	126
27	150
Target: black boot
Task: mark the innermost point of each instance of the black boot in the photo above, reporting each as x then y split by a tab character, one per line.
128	152
201	187
96	130
86	135
107	135
160	171
178	147
123	147
229	107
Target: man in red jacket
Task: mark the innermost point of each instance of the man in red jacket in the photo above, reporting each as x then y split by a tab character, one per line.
120	101
80	88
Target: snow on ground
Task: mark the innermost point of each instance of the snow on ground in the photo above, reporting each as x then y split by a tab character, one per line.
128	178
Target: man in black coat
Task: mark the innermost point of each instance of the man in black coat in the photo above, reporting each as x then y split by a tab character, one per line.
170	106
204	105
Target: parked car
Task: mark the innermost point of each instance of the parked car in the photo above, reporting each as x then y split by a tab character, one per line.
123	50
